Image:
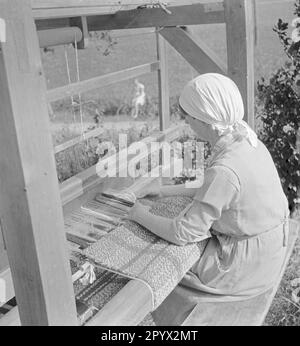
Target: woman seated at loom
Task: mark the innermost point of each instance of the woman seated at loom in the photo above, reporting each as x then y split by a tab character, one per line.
241	207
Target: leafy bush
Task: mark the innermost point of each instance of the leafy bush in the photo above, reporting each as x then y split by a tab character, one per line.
280	110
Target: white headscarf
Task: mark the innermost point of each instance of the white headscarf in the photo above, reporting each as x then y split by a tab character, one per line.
215	99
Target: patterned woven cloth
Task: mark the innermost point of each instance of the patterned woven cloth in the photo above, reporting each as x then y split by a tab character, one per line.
134	252
100	292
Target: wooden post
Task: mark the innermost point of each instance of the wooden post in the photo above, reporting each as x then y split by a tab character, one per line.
163	83
81	22
239	17
31	212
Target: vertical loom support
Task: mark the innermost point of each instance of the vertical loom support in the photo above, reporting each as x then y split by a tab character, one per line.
163	83
240	22
31	212
81	22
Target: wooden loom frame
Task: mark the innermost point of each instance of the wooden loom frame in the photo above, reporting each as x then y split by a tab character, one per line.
31	216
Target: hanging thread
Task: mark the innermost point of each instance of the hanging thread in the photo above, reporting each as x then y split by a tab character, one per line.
79	94
69	80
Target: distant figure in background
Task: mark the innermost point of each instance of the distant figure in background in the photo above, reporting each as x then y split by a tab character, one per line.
139	98
241	208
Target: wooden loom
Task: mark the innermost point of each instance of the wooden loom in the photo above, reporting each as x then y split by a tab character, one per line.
32	205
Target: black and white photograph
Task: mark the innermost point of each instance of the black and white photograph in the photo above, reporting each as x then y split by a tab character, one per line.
149	166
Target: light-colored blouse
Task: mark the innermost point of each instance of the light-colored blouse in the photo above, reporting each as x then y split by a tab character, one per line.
242	209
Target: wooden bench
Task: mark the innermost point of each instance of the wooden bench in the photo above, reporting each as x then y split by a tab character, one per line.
251	312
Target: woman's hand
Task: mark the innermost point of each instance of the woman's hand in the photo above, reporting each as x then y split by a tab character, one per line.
137	209
152	189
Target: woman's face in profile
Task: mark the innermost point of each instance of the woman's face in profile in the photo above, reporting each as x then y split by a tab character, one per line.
202	129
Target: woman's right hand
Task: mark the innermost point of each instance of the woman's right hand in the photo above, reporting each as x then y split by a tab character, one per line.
153	189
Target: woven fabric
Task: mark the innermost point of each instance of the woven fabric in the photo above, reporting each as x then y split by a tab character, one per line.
134	252
100	292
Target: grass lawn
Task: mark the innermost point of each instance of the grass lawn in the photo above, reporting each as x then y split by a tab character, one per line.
283	311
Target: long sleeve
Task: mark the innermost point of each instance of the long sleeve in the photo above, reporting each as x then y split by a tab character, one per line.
219	192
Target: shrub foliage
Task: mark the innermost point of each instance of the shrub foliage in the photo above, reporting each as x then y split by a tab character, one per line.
280	110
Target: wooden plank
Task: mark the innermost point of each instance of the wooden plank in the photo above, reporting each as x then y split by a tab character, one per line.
122	310
251	312
59	9
132	32
69	12
79	139
194	51
52	23
142	18
35	4
217	62
72	8
101	81
240	31
163	83
32	219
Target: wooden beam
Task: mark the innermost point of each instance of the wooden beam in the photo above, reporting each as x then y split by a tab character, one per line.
32	218
194	51
142	18
69	12
79	139
52	23
71	8
60	36
104	18
101	81
122	310
212	12
240	50
163	83
81	23
56	4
